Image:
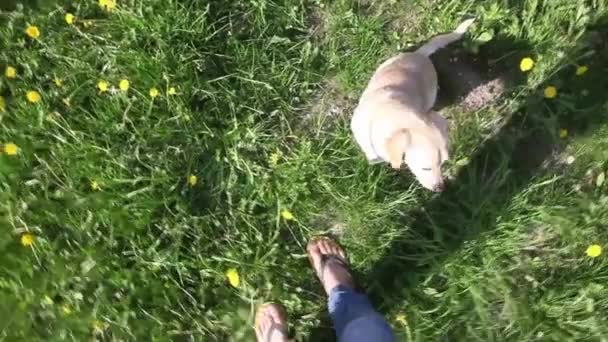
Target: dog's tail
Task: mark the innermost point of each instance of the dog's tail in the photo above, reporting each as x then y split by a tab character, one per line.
444	40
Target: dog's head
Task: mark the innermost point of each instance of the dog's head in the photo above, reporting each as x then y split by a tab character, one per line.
423	149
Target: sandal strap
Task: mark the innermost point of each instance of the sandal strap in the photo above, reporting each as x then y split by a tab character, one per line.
326	259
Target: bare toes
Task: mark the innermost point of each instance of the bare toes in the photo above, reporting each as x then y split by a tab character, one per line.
261	326
268	316
335	250
315	254
324	247
275	315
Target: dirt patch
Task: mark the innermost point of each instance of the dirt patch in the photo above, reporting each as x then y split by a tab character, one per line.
467	81
329	106
318	23
484	94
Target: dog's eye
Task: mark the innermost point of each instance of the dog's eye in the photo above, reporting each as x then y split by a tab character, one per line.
426	169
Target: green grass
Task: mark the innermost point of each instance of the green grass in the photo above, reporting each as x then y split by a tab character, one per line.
265	90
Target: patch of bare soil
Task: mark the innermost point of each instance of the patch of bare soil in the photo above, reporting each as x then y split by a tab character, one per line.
467	81
483	94
329	106
318	20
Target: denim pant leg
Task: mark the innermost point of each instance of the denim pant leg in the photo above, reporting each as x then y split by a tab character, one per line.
355	320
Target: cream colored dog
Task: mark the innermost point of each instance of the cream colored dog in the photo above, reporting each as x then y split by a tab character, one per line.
394	121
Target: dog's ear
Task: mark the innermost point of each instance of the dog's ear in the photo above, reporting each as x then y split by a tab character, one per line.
396	146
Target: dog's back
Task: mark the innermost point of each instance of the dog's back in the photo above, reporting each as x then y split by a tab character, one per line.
408	77
412	76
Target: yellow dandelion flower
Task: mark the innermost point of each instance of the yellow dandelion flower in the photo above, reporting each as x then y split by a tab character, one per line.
69	18
526	64
27	239
192	180
10	149
32	32
102	86
58	82
233	277
563	133
99	326
172	91
401	318
153	92
273	160
10	72
95	186
581	70
33	96
594	251
66	309
550	92
124	85
287	215
107	5
2	104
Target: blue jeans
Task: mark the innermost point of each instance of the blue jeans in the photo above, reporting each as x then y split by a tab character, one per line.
355	320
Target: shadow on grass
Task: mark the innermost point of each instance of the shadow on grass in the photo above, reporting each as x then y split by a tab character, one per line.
504	166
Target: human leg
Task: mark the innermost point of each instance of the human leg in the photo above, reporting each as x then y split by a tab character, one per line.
355	320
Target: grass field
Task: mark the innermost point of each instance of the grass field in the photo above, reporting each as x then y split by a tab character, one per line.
123	208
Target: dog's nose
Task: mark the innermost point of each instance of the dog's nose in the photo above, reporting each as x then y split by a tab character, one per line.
439	187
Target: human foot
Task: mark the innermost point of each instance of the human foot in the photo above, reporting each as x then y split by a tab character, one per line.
271	323
330	262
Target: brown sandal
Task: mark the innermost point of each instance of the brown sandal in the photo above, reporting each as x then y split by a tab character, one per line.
327	258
